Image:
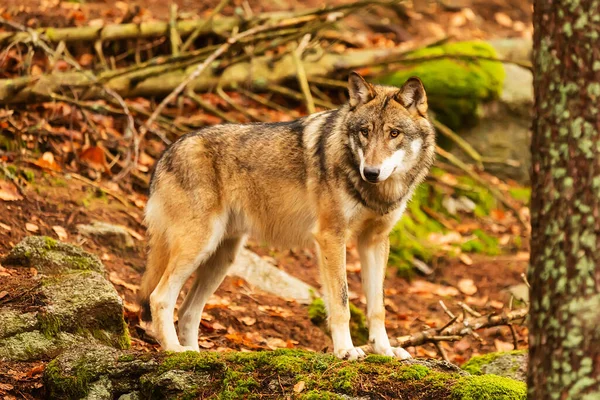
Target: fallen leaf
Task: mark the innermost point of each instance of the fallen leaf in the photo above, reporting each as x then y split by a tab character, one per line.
218	327
60	232
114	278
4	226
476	301
46	161
299	387
247	320
498	305
426	289
276	343
6	387
3	294
31	227
205	344
462	345
467	286
503	19
94	158
9	192
503	346
465	259
38	369
86	59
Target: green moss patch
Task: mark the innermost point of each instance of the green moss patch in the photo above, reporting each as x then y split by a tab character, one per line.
456	84
265	374
49	256
486	387
510	364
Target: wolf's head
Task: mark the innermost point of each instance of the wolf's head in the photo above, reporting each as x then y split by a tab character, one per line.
388	127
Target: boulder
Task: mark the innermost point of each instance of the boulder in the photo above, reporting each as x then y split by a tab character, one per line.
511	364
50	256
111	235
268	278
74	303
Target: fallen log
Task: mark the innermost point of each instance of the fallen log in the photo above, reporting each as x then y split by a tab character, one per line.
160	80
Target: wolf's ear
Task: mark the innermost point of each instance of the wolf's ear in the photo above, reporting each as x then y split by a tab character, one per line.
360	91
412	96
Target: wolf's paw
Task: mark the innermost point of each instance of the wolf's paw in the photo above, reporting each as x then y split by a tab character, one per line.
351	354
397	352
179	348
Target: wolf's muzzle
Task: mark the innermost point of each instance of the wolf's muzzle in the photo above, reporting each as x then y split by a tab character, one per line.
371	174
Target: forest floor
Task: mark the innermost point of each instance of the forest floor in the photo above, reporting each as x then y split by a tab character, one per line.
238	317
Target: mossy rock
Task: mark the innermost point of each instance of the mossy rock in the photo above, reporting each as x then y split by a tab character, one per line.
34	345
84	302
51	257
511	364
266	374
358	325
13	322
455	86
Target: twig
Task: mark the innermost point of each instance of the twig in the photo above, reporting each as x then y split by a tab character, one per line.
440	350
97	186
208	107
295	95
457	331
210	59
524	277
514	336
495	192
173	34
194	35
460	142
463	57
301	74
238	108
447	311
469	309
265	102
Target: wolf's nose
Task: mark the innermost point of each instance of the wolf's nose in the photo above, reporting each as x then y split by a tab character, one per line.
372	174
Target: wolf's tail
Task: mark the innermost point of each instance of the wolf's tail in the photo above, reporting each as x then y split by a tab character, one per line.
158	258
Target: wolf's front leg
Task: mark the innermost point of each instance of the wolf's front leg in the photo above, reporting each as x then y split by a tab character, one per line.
332	262
374	251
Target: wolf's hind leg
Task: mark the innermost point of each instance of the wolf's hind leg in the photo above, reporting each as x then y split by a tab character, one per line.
209	276
191	245
374	251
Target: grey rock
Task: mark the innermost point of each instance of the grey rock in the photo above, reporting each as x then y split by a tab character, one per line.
131	396
84	301
109	234
100	390
35	345
510	365
267	277
13	322
50	256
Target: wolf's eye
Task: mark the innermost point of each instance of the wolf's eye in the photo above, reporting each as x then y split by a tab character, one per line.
394	133
364	132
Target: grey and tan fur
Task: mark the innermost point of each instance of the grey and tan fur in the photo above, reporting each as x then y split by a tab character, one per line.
326	178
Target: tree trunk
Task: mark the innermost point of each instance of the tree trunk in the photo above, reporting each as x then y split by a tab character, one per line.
564	274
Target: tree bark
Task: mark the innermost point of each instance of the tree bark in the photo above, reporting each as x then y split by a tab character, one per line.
565	272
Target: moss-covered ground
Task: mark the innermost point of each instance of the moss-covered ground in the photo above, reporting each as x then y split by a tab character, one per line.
281	373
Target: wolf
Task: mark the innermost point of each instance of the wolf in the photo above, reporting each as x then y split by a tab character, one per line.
321	179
